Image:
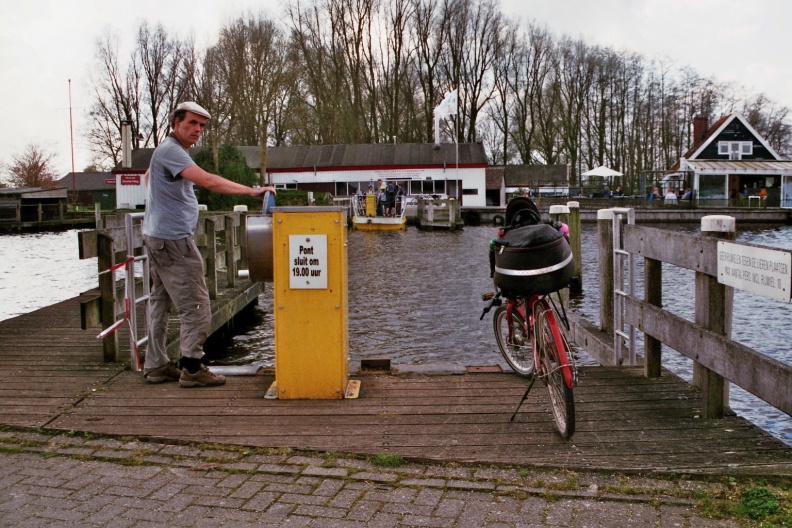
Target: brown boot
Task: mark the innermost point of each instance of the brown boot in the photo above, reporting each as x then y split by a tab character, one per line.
203	378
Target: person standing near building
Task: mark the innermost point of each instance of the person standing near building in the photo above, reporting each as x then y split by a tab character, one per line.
175	263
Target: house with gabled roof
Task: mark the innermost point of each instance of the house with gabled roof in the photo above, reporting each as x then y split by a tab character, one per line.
730	163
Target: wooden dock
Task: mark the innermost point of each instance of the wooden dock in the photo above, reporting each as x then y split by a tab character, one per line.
55	378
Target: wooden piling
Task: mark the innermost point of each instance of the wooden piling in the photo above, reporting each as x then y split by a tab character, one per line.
605	245
653	294
576	287
107	288
714	312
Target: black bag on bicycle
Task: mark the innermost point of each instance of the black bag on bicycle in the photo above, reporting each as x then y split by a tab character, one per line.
534	259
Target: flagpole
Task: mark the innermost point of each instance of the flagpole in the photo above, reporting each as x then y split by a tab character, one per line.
456	134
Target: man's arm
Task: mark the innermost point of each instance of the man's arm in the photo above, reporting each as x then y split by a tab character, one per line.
218	184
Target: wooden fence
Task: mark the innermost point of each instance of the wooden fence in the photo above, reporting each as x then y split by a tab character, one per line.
706	340
221	238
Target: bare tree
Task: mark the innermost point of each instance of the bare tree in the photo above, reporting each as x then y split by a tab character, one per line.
116	99
480	46
528	79
771	121
361	71
160	59
429	34
577	73
31	168
143	93
321	73
399	116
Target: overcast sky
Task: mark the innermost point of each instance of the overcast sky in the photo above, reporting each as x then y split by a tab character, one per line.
44	43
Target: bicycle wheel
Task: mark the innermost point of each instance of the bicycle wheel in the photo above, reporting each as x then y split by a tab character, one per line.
555	367
517	352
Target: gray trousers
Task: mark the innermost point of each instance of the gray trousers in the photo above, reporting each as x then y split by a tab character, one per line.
178	281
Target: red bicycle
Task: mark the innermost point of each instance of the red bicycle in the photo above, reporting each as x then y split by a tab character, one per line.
528	265
532	343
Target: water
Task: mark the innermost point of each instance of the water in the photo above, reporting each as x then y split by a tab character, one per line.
415	298
37	270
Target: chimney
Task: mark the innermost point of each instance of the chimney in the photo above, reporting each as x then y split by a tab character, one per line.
126	144
700	127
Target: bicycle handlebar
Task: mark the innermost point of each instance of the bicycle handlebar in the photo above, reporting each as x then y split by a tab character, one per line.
495	301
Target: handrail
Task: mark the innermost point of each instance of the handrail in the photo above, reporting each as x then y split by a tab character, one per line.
119	242
750	369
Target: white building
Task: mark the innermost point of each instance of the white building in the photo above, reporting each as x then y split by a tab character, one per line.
342	170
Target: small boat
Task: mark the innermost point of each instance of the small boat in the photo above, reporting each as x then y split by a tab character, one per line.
366	218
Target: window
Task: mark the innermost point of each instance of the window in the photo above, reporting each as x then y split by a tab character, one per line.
712	187
468	192
735	149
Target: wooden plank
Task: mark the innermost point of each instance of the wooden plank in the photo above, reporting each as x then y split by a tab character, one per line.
596	342
760	375
90	312
680	249
625	421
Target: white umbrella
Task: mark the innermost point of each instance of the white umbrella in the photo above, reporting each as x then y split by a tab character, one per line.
603	171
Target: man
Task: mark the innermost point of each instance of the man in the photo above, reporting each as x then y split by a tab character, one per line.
390	199
175	262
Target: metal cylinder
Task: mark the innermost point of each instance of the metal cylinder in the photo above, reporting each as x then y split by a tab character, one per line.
259	247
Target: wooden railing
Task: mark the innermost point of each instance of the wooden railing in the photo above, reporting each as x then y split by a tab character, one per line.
222	242
706	340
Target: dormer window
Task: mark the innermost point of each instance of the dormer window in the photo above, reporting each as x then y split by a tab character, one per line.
735	149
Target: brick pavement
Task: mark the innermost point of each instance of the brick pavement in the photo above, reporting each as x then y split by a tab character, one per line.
74	480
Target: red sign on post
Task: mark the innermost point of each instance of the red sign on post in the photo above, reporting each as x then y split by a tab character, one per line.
110	182
130	179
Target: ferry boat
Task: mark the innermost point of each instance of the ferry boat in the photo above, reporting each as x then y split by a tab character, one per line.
365	217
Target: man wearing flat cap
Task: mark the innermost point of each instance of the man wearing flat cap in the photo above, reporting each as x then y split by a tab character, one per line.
175	262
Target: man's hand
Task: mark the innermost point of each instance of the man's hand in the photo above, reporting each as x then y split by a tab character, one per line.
258	192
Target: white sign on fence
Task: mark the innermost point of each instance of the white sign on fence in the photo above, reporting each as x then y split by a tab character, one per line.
765	272
308	261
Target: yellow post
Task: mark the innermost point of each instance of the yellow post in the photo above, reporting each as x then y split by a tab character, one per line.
371	205
311	309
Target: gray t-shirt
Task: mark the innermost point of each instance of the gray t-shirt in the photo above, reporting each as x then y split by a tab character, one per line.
171	205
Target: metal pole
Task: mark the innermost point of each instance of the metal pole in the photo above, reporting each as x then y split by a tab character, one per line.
456	139
71	131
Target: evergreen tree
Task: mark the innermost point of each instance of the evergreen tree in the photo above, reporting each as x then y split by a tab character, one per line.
231	164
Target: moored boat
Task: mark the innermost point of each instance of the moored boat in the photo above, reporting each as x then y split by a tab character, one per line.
365	216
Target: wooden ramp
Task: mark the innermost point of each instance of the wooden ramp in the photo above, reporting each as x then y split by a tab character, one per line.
54	378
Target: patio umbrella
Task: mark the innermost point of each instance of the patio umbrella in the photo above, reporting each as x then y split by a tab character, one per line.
603	171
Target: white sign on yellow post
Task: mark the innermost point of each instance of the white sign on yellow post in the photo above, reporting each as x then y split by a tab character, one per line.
311	310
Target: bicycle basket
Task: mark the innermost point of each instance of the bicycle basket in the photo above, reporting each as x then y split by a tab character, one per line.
533	259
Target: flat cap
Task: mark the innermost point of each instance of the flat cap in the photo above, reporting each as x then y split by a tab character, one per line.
193	107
